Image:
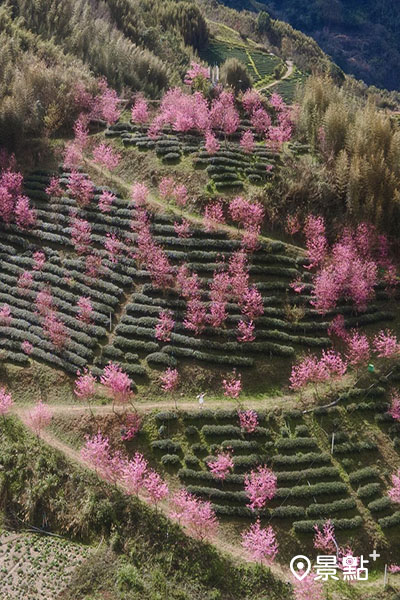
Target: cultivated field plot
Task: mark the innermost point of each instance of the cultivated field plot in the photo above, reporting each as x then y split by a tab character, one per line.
348	485
259	64
127	306
36	567
229	168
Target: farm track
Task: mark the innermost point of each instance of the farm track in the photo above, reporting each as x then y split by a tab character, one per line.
74	456
290	68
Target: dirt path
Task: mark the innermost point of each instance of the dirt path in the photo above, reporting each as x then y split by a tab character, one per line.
74	456
290	67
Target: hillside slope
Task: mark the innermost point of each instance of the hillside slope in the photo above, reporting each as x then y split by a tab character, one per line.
360	36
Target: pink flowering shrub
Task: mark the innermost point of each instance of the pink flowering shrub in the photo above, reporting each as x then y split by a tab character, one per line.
80	188
324	538
308	588
85	310
196	72
260	544
386	344
211	144
260	486
394	410
56	331
245	331
140	111
182	229
155	487
81	232
139	194
39	260
105	201
213	216
247	142
358	349
25	282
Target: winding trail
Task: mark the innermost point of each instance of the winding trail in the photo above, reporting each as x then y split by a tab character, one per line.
74	456
290	68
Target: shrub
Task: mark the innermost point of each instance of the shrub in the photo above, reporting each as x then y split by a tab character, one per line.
296	443
369	490
326	510
166	416
160	358
380	505
308	526
309	491
280	460
170	459
363	474
166	445
389	522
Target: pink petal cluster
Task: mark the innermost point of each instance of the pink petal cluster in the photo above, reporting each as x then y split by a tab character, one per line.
81	232
196	71
132	425
324	538
80	188
386	344
140	111
394	410
39	260
85	310
105	201
27	347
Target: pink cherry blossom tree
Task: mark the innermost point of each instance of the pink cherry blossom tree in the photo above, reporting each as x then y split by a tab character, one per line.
6	402
211	144
105	201
134	474
81	232
114	247
251	100
221	465
133	423
25	216
182	229
386	344
196	72
197	516
54	189
140	111
169	380
106	157
139	194
260	486
39	260
213	216
358	349
26	347
308	588
248	420
164	326
232	385
80	188
39	417
156	488
245	331
5	316
85	310
24	283
85	385
324	538
394	492
117	383
394	410
247	142
56	331
260	544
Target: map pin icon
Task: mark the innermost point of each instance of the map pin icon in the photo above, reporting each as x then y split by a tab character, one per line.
300	566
